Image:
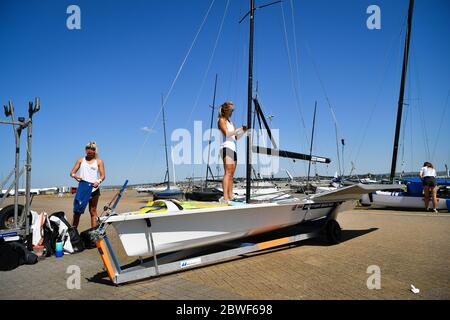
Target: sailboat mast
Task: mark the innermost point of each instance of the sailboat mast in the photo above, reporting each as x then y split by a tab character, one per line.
165	142
402	90
208	168
249	100
311	147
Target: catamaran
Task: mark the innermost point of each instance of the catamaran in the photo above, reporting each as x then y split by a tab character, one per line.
413	197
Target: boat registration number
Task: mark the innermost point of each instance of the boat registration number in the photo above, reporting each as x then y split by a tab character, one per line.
319	205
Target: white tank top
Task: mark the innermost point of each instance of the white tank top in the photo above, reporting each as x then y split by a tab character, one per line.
230	142
89	172
428	172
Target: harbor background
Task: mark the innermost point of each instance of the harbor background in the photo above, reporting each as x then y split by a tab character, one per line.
409	247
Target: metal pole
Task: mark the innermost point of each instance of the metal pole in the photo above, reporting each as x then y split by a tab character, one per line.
311	146
343	162
249	101
402	91
28	167
210	132
165	142
17	132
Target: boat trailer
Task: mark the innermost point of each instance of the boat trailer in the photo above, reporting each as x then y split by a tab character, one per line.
161	264
19	227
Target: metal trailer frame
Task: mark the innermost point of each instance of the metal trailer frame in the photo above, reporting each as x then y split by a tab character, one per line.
21	228
162	264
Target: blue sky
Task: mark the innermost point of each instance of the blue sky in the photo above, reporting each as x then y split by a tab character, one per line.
104	82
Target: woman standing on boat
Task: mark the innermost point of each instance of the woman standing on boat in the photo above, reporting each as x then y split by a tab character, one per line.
228	147
89	168
428	176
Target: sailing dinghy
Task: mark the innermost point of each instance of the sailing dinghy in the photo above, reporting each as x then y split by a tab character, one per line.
412	198
176	225
169	192
169	227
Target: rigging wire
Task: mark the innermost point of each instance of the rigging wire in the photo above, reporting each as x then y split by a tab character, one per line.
411	138
420	105
440	124
386	63
336	125
294	33
405	119
209	63
294	87
404	127
235	65
132	167
295	43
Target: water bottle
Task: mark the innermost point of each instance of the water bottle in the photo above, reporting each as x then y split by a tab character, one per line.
59	247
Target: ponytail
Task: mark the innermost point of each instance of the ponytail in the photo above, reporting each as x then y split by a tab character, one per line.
226	106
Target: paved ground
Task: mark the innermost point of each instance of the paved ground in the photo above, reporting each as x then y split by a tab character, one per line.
409	248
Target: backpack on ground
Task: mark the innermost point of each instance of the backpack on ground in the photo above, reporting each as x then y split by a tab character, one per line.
14	254
72	242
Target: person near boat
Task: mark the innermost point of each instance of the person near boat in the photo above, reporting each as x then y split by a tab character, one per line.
428	176
91	172
228	146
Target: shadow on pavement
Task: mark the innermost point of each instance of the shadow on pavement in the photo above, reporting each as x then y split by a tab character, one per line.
346	236
102	277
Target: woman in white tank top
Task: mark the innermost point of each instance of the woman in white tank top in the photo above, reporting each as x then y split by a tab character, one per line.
228	147
428	176
91	169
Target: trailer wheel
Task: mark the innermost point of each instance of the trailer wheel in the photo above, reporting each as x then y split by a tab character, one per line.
7	216
333	232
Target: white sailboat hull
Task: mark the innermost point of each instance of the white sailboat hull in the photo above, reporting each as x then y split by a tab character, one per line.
397	200
173	231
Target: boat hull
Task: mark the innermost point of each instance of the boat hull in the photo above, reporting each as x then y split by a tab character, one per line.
201	227
207	194
168	194
399	200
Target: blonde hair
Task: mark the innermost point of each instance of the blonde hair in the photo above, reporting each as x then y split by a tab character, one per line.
92	145
226	106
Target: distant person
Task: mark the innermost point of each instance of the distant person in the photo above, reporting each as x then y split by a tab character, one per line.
228	147
428	176
91	174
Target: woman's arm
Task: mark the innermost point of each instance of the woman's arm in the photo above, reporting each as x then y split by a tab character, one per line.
75	169
223	128
237	132
241	132
101	168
